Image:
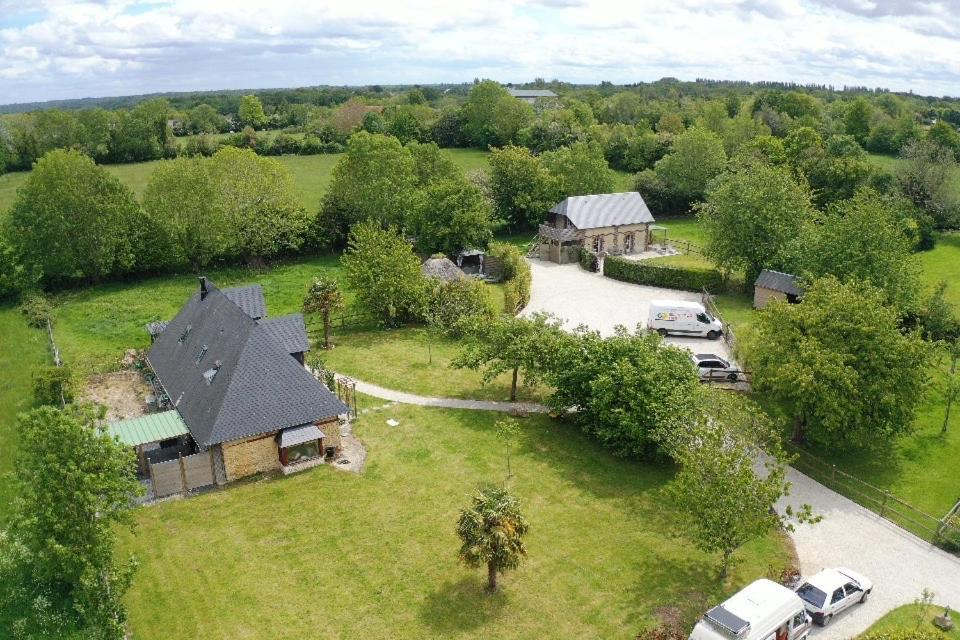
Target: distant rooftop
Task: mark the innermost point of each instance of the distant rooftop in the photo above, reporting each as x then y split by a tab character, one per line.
532	93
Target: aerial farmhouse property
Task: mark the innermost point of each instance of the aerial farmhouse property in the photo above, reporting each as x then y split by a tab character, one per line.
607	223
234	396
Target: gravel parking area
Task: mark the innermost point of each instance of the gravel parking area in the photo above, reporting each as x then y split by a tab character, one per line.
581	297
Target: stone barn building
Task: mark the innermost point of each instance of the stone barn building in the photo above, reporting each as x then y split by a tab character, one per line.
236	380
607	224
774	285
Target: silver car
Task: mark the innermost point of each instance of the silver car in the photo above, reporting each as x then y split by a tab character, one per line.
713	367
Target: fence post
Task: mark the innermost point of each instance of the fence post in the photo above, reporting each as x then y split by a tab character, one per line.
183	473
833	473
883	505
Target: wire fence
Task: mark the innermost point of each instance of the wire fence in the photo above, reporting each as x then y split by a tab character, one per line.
942	531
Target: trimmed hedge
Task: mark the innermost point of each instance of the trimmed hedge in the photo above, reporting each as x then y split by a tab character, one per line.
687	279
588	260
516	276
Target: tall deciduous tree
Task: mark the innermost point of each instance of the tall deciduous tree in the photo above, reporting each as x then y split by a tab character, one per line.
630	391
579	169
72	220
509	344
523	189
856	120
840	364
491	531
324	297
723	501
751	215
374	180
182	199
74	484
251	112
454	215
863	239
696	157
384	273
257	195
491	116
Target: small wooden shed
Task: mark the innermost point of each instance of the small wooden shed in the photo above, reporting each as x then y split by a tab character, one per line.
775	285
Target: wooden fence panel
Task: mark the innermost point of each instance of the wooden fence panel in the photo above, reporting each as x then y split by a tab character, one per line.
198	470
166	478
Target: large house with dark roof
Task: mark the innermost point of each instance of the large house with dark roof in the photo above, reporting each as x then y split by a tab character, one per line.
236	380
606	223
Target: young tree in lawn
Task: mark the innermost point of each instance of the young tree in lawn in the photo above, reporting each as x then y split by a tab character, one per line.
840	364
724	503
181	198
752	214
491	531
696	157
72	220
630	391
251	112
509	433
864	239
58	572
257	195
523	189
384	273
374	180
324	297
509	343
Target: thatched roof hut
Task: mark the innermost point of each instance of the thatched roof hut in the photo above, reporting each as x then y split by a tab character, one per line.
441	268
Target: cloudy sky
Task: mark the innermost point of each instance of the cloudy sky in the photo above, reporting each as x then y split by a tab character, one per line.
62	49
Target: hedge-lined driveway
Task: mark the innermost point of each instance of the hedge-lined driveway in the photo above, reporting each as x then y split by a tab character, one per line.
581	297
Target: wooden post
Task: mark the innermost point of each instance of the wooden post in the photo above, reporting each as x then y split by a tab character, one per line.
883	505
183	473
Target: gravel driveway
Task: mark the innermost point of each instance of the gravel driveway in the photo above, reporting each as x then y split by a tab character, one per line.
900	564
581	297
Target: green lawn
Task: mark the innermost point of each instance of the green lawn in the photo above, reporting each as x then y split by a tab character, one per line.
311	175
331	554
943	263
22	350
400	359
912	616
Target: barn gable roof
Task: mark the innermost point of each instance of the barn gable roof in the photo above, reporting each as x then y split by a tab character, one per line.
604	210
778	281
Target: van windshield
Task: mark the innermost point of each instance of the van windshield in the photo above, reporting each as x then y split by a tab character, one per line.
811	594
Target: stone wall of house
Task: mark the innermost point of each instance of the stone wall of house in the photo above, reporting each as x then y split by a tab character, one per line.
761	297
243	458
613	237
331	433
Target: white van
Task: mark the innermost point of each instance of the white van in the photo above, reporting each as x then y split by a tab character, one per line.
683	318
763	610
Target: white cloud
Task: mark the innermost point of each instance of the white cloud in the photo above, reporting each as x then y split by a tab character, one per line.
69	49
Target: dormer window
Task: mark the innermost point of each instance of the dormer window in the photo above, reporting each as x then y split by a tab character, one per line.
201	353
211	373
186	334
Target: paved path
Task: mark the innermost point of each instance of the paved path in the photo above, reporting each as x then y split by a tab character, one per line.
900	564
448	403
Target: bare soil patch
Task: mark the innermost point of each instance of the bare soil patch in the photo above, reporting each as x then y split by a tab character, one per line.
123	393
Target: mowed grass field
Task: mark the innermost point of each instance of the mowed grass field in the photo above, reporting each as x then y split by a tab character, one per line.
330	554
912	617
311	175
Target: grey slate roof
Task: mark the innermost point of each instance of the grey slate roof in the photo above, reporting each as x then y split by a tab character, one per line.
604	210
258	388
778	281
290	331
250	299
531	93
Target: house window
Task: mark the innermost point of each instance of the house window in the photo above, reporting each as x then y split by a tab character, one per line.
628	243
597	244
303	451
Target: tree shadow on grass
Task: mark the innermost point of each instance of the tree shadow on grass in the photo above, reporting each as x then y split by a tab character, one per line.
462	605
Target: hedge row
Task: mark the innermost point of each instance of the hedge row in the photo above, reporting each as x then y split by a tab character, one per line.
688	279
517	278
588	260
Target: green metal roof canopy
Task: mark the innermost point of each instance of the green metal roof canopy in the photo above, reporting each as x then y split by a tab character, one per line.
152	427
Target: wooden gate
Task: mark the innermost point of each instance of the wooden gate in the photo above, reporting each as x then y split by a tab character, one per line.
184	474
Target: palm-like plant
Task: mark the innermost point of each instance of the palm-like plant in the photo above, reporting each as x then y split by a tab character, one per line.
324	298
492	531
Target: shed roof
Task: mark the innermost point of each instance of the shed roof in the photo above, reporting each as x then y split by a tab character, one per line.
531	93
152	427
442	269
604	210
778	281
298	435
